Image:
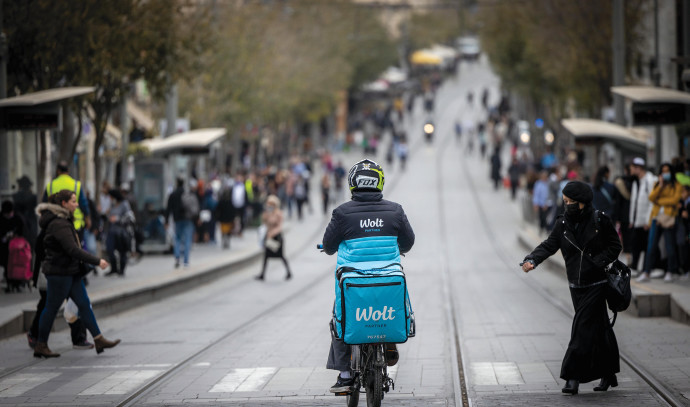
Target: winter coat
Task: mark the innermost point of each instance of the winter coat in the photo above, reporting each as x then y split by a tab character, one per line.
174	206
667	198
640	206
587	253
274	222
63	252
359	230
225	211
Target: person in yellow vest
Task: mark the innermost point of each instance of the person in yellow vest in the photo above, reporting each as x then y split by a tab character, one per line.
82	215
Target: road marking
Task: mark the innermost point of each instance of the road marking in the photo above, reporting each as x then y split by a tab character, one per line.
19	384
495	373
244	380
120	382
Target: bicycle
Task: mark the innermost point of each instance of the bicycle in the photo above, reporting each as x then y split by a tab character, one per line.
370	368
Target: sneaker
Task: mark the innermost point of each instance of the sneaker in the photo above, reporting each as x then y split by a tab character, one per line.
668	278
343	385
685	276
31	339
642	278
83	345
657	274
177	263
634	273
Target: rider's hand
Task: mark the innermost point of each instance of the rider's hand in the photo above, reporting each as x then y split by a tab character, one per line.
103	264
527	266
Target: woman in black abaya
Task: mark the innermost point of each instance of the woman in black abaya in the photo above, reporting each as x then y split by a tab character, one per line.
588	241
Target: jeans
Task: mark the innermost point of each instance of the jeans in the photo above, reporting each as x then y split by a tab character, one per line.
184	232
59	288
655	234
77	328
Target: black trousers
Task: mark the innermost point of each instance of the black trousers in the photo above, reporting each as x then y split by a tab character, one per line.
77	328
339	356
638	245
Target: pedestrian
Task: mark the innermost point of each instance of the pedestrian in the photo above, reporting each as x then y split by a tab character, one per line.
588	242
540	200
665	197
623	185
325	192
225	215
82	215
514	175
181	207
25	203
77	327
274	241
604	192
119	238
684	233
496	168
11	226
240	200
640	211
63	267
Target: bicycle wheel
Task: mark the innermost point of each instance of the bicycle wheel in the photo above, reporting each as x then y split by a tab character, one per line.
374	387
352	399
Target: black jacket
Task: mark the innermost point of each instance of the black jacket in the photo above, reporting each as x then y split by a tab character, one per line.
587	253
63	252
174	206
350	220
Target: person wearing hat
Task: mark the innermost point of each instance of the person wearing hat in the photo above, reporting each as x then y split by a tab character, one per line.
640	210
588	242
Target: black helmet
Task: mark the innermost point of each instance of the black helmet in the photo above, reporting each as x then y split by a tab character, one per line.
365	175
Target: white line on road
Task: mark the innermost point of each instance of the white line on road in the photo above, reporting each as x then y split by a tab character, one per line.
17	385
120	382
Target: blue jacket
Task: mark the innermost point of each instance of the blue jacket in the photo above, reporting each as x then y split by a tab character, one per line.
368	232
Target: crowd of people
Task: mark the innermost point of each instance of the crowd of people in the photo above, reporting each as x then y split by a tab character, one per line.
649	208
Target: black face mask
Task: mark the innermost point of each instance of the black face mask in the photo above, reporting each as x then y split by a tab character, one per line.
573	211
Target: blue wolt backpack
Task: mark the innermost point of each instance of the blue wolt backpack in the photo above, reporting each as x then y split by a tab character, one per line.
372	306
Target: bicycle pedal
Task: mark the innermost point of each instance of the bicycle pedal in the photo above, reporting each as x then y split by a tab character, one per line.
344	393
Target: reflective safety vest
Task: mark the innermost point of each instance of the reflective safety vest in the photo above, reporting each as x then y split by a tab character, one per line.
64	181
250	190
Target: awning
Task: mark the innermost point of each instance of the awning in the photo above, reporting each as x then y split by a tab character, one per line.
424	57
651	94
46	96
592	129
143	119
191	142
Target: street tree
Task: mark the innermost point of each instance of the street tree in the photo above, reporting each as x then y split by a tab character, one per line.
105	44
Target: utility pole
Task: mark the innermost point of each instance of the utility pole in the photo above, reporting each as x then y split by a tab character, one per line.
171	110
619	58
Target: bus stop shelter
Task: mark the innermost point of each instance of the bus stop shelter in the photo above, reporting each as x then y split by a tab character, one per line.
605	143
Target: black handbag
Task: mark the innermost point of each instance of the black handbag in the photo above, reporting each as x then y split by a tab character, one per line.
618	293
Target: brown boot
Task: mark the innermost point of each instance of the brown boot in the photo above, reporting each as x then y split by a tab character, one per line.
42	351
102	343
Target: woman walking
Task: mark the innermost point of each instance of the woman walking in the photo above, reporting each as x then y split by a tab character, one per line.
64	270
119	239
273	244
588	242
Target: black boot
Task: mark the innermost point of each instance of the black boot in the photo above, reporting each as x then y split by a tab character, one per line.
607	382
571	387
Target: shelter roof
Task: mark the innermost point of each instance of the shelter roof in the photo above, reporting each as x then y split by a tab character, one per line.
592	128
46	96
651	94
195	139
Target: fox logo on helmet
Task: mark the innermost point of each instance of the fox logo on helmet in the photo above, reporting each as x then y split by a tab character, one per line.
366	175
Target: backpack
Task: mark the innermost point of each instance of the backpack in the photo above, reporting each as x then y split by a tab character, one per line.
190	205
19	261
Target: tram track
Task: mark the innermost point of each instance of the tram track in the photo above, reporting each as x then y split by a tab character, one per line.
661	390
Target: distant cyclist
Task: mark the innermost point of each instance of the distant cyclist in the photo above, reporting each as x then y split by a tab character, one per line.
354	220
